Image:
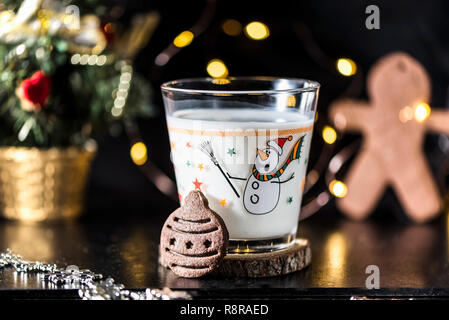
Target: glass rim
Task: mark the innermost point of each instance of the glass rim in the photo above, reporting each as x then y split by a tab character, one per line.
169	86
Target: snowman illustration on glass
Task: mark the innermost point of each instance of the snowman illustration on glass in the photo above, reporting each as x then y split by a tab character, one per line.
263	186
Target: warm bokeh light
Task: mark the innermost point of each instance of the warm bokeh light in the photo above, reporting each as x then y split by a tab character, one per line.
335	254
312	177
69	19
257	30
139	153
346	67
291	101
338	188
329	135
232	27
422	111
406	114
217	69
221	81
6	16
183	39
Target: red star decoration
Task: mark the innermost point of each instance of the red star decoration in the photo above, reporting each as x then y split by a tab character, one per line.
197	184
188	145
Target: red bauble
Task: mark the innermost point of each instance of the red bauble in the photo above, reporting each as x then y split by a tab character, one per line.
108	30
36	89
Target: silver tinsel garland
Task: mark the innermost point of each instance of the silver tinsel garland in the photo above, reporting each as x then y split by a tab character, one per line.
91	286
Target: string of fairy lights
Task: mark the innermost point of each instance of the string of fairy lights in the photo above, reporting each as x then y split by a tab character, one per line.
328	163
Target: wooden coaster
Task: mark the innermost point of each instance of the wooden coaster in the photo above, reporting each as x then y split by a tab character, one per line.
269	264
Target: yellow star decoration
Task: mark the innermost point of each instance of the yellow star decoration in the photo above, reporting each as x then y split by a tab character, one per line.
200	166
172	145
223	202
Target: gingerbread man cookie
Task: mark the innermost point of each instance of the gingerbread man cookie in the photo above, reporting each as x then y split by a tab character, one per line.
393	133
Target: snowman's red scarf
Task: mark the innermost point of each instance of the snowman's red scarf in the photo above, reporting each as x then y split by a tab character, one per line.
294	154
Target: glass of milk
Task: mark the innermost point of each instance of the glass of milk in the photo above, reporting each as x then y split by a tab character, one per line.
244	142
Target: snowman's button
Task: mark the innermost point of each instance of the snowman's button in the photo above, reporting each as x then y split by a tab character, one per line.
255	185
252	200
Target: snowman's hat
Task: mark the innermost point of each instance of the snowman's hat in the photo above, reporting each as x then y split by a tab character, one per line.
278	144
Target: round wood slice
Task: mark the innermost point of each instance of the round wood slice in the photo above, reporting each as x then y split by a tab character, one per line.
269	264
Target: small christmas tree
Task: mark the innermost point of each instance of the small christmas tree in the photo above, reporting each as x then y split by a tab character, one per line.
63	76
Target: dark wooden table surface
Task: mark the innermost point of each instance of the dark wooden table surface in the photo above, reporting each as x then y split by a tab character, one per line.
413	259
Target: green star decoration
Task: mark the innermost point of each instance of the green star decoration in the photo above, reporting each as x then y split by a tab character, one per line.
290	200
231	151
188	163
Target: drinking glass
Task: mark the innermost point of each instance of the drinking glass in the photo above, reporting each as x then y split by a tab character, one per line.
244	142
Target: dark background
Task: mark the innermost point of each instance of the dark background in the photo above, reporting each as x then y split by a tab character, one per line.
306	38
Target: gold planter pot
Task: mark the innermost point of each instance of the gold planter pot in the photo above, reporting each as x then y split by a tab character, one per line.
43	184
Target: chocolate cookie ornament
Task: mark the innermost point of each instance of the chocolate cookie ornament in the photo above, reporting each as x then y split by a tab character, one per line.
193	238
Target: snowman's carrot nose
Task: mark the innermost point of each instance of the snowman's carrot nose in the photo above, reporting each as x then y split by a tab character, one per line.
262	155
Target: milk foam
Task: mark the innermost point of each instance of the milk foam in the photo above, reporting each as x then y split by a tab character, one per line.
227	119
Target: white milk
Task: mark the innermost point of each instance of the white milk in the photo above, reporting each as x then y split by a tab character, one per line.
243	139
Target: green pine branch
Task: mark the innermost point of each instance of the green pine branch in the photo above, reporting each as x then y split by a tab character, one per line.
81	96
